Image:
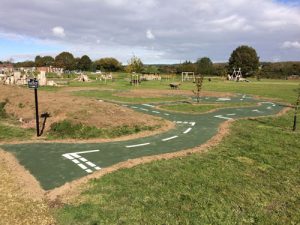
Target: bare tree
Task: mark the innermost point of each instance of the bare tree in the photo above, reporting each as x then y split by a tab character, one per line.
198	82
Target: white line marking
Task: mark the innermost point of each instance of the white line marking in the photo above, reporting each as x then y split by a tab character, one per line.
152	106
156	112
83	159
231	114
269	103
75	161
132	146
82	166
84	152
74	155
242	99
179	122
134	107
269	107
188	130
223	99
144	109
90	164
193	123
223	117
255	110
185	122
68	156
166	139
167	114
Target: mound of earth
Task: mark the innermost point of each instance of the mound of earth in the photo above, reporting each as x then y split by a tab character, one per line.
61	106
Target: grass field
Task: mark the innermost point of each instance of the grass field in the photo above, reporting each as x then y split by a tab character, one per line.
251	178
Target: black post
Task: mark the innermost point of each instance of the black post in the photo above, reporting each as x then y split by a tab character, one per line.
37	113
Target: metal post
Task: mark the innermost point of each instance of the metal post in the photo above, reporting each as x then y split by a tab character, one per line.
37	112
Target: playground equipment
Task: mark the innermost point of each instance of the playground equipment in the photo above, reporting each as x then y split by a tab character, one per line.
236	75
135	79
150	76
187	76
106	77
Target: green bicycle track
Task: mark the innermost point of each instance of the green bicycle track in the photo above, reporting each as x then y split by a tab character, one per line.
46	163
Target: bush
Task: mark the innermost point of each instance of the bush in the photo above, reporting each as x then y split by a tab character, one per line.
67	129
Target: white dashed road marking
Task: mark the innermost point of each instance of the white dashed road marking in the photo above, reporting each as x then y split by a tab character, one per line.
75	157
169	138
152	106
223	117
133	146
156	112
188	130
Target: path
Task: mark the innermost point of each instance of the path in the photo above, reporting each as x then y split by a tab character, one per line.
54	164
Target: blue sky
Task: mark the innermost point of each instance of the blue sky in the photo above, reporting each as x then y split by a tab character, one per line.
157	31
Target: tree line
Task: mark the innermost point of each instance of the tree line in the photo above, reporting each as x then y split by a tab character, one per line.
244	57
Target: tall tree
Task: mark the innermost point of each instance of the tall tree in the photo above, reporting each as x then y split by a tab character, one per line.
246	58
204	66
48	60
65	60
38	61
108	64
135	64
84	63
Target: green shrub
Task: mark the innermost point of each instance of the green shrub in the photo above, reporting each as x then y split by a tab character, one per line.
67	129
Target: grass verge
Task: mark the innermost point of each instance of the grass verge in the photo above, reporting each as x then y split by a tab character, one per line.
252	177
67	129
200	108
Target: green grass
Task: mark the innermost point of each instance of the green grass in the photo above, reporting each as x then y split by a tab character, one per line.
200	108
66	129
109	95
282	90
252	177
8	133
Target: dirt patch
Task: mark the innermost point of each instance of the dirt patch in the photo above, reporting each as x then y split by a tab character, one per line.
150	93
61	105
20	195
29	185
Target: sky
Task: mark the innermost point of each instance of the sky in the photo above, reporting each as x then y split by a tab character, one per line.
157	31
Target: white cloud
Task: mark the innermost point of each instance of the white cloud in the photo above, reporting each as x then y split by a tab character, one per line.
187	30
150	35
291	44
58	31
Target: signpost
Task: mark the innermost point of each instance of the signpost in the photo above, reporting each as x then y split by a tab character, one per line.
33	83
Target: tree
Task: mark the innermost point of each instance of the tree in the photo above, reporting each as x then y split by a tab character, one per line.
204	66
244	57
108	64
43	61
65	60
135	64
48	60
186	66
38	61
85	63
